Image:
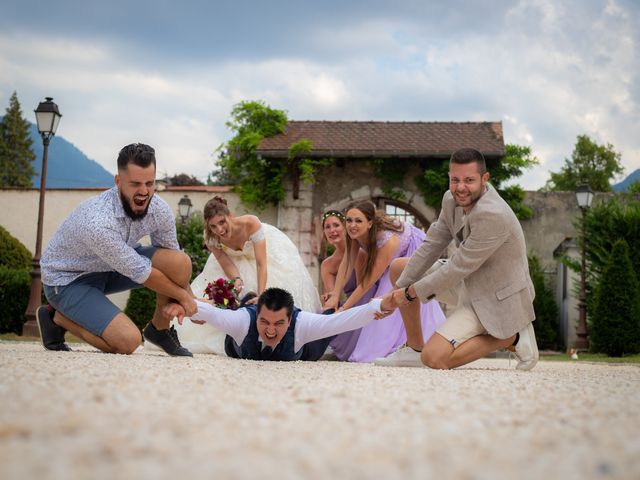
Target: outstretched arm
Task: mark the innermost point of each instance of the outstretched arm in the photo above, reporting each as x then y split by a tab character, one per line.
383	259
344	272
234	323
313	326
260	250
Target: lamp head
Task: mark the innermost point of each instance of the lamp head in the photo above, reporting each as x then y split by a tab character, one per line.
47	116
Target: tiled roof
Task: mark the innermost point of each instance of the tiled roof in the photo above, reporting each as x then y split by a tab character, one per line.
398	139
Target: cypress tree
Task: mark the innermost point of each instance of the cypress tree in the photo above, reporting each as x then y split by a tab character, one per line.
615	326
16	156
544	304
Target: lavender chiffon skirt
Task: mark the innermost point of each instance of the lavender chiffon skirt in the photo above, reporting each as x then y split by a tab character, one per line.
383	337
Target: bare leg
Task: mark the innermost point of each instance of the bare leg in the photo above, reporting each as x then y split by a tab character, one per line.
177	267
411	312
120	336
439	353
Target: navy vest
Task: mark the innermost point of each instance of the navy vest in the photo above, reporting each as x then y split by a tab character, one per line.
251	347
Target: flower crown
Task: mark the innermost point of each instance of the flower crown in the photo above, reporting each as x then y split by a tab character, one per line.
333	213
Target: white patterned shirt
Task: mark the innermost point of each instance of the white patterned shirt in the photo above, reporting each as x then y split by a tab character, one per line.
99	236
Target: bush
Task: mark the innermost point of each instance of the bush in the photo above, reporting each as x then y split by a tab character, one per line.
140	306
13	254
190	238
615	324
15	286
546	324
607	222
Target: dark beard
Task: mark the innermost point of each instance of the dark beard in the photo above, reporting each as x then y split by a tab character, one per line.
130	213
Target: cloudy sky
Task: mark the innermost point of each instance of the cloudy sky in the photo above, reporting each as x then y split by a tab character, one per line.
167	72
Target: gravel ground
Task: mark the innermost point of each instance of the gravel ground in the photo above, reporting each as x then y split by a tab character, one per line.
87	415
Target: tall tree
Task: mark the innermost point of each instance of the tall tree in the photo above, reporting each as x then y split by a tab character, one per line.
16	156
258	180
590	163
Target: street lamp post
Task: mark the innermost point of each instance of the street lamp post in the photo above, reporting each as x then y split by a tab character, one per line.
584	196
184	207
47	116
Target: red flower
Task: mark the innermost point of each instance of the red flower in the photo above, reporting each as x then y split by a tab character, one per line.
222	293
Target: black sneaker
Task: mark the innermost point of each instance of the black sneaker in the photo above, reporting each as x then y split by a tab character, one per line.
167	340
52	335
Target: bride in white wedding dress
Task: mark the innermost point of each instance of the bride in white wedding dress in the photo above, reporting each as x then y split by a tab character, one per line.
256	255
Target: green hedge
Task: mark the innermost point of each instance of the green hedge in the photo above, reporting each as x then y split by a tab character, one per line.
15	286
13	254
546	324
615	324
140	306
191	240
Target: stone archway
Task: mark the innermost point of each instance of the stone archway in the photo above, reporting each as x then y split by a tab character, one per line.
402	210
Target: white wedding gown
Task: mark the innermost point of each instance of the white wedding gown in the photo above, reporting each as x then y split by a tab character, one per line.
285	269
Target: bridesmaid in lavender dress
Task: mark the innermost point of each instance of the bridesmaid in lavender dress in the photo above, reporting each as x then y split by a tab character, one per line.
373	240
334	229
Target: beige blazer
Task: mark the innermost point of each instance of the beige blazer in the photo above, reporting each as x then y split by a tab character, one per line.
491	259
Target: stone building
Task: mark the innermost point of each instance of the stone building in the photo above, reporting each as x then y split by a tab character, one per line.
355	148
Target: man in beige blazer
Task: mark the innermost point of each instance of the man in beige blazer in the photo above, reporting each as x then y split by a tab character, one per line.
486	280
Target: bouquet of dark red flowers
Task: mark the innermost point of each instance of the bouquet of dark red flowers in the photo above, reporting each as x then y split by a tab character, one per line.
222	293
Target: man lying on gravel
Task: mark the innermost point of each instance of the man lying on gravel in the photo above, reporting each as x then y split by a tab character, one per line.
276	330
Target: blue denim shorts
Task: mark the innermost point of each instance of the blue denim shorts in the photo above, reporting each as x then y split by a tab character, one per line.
84	301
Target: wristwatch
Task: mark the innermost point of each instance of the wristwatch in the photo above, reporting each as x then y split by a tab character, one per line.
407	296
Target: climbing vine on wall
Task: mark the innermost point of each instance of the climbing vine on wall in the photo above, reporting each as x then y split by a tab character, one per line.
391	173
259	181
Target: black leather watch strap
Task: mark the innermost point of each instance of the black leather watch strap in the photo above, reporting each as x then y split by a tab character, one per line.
407	295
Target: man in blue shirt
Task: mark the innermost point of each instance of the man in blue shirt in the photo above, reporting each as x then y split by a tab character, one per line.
96	252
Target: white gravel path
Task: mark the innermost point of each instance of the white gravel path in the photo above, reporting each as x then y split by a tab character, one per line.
87	415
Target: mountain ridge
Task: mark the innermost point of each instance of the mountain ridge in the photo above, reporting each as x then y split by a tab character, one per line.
67	165
623	186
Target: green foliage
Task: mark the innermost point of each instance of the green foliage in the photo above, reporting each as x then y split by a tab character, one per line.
16	156
183	179
433	183
190	238
606	223
257	180
15	287
544	304
590	163
615	326
517	158
306	168
634	188
13	254
140	306
391	171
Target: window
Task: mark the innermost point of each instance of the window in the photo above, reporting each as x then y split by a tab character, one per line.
403	211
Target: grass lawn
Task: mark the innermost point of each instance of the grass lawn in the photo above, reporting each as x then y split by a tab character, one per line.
590	357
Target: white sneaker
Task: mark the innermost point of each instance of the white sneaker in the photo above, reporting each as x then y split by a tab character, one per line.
402	357
527	349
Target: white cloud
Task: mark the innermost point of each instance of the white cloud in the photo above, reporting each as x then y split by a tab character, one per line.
549	71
